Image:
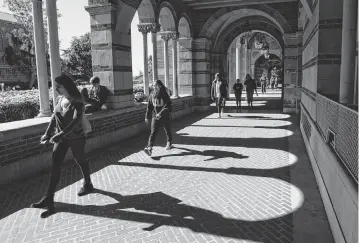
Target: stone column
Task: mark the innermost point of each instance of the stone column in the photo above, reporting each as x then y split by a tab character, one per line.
347	68
55	62
155	28
145	29
111	52
174	37
238	61
41	65
166	37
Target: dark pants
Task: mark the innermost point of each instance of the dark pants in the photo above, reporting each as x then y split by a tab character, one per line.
264	88
221	103
58	155
238	100
165	122
250	96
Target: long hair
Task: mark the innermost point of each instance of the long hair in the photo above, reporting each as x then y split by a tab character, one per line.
162	92
70	87
248	77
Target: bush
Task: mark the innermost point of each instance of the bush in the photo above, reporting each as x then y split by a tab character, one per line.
20	105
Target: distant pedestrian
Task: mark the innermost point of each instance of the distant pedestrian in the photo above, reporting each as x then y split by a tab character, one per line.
238	88
159	108
66	130
219	92
251	86
263	81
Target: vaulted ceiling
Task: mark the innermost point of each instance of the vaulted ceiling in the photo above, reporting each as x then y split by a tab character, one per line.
207	4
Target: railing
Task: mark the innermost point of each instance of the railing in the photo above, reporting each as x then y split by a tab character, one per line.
339	127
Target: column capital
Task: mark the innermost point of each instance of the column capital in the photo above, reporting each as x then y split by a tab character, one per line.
169	35
144	28
155	28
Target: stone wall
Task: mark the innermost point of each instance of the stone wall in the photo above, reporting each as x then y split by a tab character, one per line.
338	189
21	154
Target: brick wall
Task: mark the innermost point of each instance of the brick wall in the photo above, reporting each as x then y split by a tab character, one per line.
343	122
21	154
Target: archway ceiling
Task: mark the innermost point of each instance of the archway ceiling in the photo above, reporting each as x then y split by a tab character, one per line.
235	29
234	21
209	4
225	16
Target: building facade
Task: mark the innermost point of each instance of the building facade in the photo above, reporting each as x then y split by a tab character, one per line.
8	75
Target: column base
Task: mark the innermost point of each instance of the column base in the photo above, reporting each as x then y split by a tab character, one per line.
44	114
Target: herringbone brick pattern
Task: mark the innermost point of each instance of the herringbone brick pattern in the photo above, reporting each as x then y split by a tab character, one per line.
226	180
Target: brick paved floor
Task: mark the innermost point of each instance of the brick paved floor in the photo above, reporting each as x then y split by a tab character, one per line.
243	178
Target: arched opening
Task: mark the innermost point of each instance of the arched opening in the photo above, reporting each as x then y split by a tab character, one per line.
142	22
266	66
167	21
185	64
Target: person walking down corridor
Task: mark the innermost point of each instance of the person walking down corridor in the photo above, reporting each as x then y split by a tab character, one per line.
251	86
66	130
263	81
159	108
238	88
219	91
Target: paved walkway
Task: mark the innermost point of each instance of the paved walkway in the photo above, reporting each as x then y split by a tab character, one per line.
244	178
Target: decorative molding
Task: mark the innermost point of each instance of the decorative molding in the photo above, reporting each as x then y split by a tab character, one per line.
101	27
123	92
110	46
93	2
100	68
101	9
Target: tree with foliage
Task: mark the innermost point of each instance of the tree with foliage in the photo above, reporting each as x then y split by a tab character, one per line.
20	52
77	59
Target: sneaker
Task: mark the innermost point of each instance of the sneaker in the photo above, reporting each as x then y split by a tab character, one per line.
169	146
45	202
86	189
148	151
219	116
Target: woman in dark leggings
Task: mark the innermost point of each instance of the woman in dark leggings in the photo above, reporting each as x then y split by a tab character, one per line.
69	133
159	109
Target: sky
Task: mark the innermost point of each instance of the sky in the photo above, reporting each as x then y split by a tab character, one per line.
75	21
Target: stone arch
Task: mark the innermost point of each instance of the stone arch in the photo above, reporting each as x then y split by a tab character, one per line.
167	17
257	24
147	12
184	27
258	67
219	20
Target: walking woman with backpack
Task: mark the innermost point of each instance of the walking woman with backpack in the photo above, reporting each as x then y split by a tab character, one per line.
67	129
159	108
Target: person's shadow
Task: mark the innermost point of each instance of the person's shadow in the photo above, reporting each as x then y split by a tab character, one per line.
157	202
213	154
169	211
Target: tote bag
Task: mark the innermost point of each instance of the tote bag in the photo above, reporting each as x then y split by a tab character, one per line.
85	123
